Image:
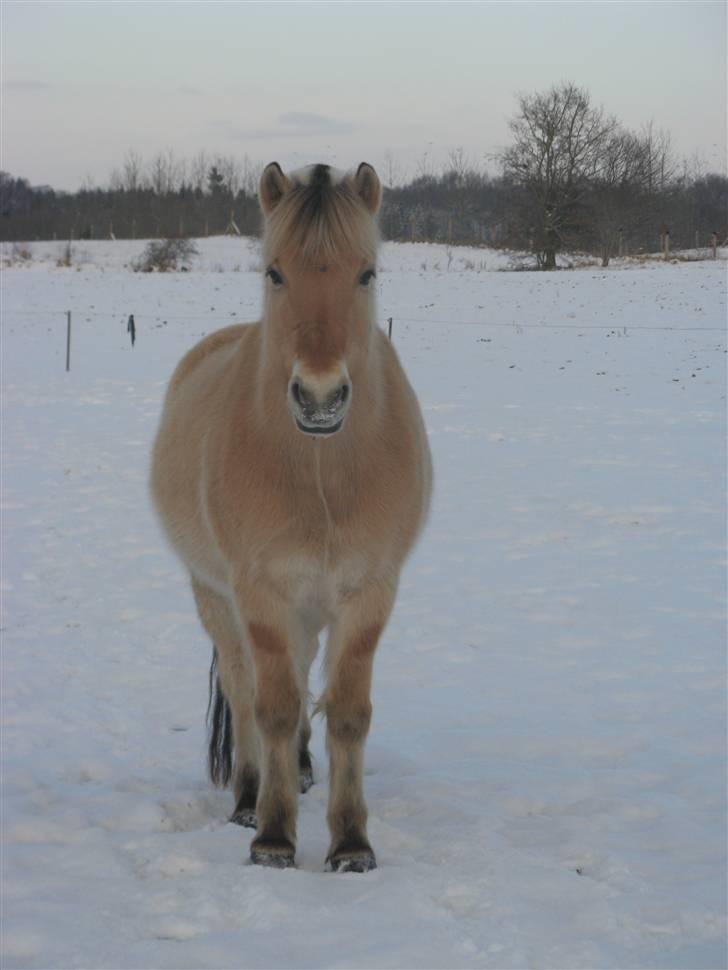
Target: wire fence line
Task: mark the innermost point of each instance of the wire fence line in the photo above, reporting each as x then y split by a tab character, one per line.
554	326
426	321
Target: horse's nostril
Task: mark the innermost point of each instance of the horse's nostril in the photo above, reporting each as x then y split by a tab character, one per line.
344	393
296	393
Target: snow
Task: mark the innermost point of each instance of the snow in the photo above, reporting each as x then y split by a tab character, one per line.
546	771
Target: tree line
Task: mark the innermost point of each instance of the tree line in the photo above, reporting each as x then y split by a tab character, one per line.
573	178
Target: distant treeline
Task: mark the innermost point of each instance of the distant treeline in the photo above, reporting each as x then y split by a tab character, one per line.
573	179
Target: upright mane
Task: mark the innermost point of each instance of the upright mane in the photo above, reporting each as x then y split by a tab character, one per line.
320	220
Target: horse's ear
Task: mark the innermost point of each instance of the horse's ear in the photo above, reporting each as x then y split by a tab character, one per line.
273	186
368	187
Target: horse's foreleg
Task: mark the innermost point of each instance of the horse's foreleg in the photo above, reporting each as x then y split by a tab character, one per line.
348	708
277	715
236	679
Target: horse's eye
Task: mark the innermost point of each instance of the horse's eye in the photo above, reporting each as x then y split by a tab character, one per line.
275	277
366	277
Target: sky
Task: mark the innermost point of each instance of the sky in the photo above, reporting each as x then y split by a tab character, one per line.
401	85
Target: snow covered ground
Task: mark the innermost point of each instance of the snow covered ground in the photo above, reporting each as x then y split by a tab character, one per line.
546	772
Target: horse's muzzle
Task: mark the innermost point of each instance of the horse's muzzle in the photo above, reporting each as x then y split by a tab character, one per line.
316	416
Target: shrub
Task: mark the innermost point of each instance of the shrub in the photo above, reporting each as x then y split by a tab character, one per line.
165	256
66	258
21	253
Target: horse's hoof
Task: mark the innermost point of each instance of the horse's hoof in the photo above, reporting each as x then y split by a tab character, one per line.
273	855
245	817
360	860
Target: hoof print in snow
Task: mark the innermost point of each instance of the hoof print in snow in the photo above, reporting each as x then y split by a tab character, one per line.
245	817
360	861
273	855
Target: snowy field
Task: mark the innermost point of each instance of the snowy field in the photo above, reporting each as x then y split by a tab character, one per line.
546	771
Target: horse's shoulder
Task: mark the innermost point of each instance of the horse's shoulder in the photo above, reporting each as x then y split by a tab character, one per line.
392	367
211	344
407	438
402	398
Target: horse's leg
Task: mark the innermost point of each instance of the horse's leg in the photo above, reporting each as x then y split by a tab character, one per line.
278	705
309	645
350	656
236	679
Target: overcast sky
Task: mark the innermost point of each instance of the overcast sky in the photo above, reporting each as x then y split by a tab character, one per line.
340	82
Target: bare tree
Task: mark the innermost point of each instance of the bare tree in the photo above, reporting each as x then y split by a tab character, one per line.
614	204
181	174
199	168
164	173
457	165
424	169
250	176
557	154
116	181
392	171
132	169
658	165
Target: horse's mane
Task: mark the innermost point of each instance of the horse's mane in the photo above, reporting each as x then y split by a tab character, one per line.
320	220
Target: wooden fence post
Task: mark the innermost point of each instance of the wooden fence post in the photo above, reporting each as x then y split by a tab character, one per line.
68	340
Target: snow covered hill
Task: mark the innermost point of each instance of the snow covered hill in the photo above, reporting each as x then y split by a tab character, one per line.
546	771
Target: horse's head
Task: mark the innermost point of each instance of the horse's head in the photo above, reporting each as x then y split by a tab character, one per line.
319	248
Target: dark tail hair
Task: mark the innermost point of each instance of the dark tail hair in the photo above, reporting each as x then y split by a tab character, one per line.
220	731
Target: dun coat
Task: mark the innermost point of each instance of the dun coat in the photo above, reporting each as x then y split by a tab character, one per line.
292	475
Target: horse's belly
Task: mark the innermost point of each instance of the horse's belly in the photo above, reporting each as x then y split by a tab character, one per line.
315	587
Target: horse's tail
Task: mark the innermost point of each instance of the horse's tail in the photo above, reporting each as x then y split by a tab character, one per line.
220	730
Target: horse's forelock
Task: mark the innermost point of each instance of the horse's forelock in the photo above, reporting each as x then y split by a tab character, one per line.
320	221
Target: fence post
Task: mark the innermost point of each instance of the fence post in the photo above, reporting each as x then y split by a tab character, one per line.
68	340
389	321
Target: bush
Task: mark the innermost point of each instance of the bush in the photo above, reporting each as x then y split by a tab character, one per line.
65	260
21	253
166	256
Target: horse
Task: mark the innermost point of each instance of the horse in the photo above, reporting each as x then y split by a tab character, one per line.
292	475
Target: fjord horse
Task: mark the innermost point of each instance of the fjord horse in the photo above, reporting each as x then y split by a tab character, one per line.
292	475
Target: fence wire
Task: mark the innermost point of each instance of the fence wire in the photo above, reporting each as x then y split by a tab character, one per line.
420	321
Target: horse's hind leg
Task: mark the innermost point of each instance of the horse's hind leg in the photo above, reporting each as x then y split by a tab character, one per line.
309	649
231	704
